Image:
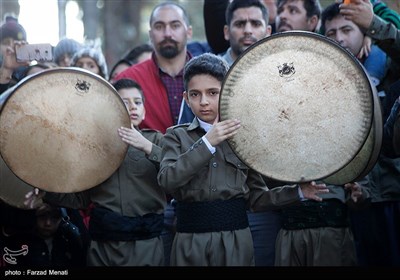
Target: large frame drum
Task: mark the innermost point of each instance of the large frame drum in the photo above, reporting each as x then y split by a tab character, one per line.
59	130
306	108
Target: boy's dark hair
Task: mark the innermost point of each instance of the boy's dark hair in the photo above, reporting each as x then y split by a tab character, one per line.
208	64
313	7
329	13
128	83
237	4
133	54
131	57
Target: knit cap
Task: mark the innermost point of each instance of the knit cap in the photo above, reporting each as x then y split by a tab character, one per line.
12	29
96	54
66	46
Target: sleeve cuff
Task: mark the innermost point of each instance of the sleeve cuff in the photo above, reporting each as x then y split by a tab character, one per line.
210	148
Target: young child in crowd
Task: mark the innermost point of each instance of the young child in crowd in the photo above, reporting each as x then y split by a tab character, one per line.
213	188
92	59
65	50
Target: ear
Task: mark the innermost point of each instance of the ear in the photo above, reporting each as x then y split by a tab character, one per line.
185	96
150	37
269	30
313	22
226	32
189	32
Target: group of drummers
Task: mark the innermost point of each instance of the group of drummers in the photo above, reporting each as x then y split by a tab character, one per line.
253	163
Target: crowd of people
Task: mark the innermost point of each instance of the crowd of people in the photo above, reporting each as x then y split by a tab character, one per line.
181	196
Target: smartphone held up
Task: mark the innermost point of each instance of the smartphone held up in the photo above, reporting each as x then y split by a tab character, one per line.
38	52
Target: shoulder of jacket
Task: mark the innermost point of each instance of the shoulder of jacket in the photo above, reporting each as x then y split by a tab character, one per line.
149	130
179	126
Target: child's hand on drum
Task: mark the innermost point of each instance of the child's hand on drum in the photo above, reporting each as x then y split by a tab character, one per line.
311	189
356	191
33	199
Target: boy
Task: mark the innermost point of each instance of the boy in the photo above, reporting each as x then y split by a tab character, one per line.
211	185
127	218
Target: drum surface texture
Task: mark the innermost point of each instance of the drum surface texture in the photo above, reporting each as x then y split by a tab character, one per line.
59	130
305	106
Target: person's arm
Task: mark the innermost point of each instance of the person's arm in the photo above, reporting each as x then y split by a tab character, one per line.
396	132
177	168
387	36
78	200
387	14
262	198
391	132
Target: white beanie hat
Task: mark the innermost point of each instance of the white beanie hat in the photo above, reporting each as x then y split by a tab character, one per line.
94	53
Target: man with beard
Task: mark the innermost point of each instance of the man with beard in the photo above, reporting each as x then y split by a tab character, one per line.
161	76
298	15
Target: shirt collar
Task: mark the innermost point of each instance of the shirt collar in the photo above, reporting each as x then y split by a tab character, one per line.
204	125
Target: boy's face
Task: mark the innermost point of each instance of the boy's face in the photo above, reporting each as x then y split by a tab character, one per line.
202	96
134	104
89	64
65	60
47	224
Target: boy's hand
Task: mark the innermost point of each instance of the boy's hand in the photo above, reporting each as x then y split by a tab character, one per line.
355	189
366	47
134	138
311	189
222	131
33	199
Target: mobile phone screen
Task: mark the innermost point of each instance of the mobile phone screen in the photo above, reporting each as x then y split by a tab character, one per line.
38	52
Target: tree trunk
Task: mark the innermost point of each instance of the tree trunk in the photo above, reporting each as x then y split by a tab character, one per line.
121	28
62	21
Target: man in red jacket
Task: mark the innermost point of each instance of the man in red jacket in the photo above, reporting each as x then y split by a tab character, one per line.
161	76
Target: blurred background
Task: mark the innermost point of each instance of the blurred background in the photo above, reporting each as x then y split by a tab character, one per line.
120	24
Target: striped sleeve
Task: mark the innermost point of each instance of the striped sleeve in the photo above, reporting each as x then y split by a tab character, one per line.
387	14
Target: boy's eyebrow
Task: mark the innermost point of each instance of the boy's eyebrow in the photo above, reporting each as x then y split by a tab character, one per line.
207	89
134	98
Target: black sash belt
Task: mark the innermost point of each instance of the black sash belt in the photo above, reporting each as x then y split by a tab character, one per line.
108	225
211	216
314	214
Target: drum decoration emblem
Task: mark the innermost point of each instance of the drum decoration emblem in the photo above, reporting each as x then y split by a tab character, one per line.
286	70
82	86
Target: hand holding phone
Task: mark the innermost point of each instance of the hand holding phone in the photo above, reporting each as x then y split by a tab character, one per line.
38	52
